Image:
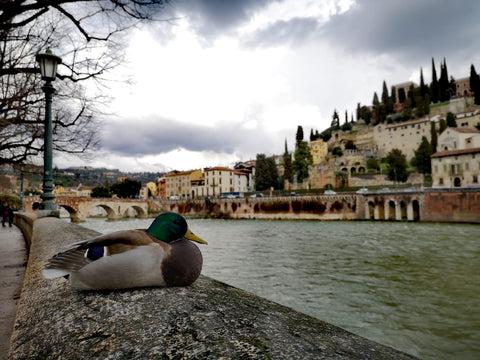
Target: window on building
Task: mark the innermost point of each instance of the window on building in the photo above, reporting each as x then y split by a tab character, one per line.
440	181
475	179
467	166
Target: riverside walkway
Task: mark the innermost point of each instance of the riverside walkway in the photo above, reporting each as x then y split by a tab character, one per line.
13	253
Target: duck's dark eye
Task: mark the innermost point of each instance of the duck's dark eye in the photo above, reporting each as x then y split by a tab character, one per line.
95	252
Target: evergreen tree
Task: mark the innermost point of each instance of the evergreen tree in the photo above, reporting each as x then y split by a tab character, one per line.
312	136
326	134
442	126
422	157
375	101
266	173
393	95
475	84
426	104
303	159
299	136
387	100
420	104
412	91
346	117
407	109
335	120
434	91
397	166
380	114
358	112
451	120
366	114
287	164
372	164
126	189
423	88
434	137
100	192
443	83
384	93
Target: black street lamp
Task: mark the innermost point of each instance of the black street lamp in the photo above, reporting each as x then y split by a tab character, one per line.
48	68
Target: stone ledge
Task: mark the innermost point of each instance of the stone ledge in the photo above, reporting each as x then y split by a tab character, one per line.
207	320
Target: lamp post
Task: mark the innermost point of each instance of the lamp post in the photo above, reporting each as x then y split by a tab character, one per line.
48	69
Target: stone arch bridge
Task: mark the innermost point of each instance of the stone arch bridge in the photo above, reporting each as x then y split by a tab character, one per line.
79	207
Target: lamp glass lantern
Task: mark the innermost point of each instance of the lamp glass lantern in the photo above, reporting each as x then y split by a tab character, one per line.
48	65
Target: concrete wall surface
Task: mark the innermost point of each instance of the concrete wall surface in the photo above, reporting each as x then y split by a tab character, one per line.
207	320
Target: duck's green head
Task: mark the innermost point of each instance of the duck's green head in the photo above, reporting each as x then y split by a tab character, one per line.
171	226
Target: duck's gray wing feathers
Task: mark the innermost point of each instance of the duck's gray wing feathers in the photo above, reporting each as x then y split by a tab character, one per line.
84	252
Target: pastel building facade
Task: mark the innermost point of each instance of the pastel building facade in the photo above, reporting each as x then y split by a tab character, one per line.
457	162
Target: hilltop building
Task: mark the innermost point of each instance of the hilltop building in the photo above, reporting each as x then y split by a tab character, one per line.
319	151
405	136
462	87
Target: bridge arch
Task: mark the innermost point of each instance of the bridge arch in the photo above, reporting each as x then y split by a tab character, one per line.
139	211
415	210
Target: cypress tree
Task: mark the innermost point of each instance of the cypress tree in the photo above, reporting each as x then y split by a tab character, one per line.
475	84
299	136
335	120
393	95
434	137
423	87
434	94
287	164
384	93
443	83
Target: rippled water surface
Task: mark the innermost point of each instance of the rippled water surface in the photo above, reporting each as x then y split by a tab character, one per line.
415	287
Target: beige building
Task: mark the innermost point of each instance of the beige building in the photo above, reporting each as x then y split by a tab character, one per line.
468	119
218	180
463	87
178	183
319	151
457	163
405	136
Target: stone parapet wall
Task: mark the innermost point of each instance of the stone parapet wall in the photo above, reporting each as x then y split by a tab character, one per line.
452	205
207	320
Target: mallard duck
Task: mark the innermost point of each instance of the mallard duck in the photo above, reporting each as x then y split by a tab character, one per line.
162	255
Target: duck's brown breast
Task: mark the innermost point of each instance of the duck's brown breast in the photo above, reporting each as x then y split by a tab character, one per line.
183	265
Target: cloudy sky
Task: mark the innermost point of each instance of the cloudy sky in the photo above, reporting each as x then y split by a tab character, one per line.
222	81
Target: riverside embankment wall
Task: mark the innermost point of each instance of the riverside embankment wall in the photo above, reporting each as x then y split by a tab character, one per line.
207	320
430	205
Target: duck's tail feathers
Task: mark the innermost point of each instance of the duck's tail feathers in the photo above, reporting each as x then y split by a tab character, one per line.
55	273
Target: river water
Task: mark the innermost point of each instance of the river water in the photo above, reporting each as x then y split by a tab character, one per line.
412	286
